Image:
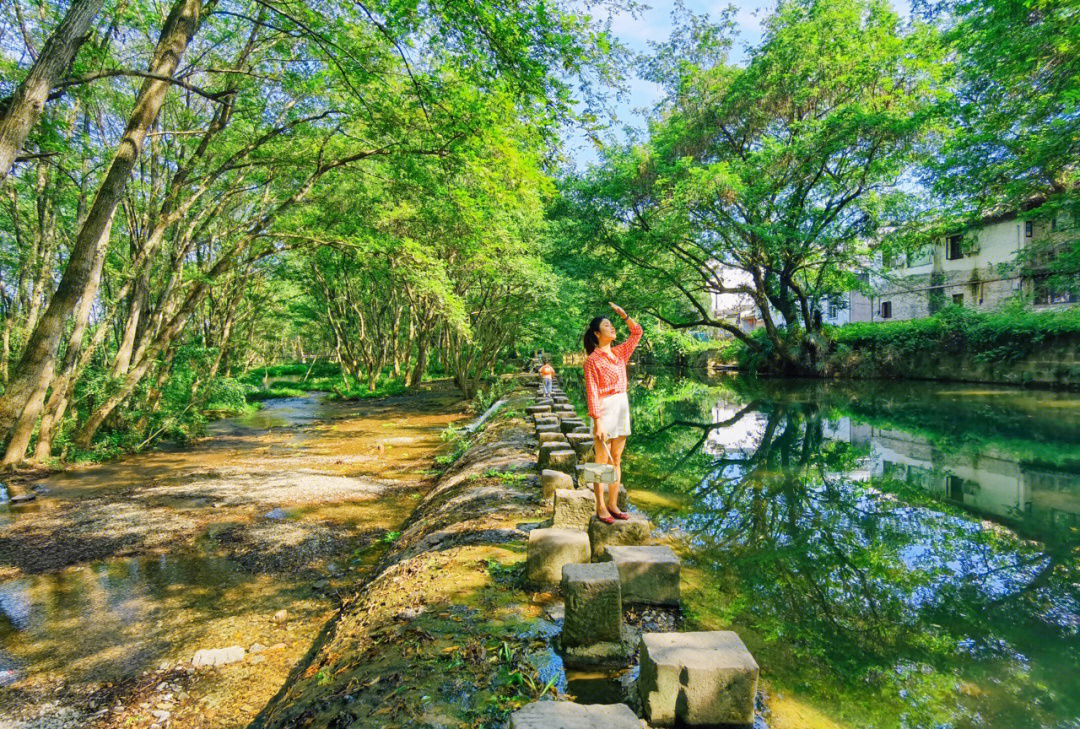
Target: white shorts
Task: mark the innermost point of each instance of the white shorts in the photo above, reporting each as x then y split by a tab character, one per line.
615	415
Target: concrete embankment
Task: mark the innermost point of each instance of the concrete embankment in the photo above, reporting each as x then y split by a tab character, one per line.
441	634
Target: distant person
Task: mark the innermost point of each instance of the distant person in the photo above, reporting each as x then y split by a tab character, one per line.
547	374
609	408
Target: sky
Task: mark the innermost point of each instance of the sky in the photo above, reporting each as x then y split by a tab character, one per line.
654	25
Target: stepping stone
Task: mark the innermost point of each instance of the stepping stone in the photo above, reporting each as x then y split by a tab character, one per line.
649	575
593	632
546	418
582	443
552	438
550	550
568	425
547	428
551	481
697	679
568	715
564	460
592	594
536	409
620	501
543	457
633	531
573	508
545	401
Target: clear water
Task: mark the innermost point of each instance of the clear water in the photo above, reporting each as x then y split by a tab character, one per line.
895	555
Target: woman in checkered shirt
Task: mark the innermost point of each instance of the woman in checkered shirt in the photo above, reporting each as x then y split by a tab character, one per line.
605	393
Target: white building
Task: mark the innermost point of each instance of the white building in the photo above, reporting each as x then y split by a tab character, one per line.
972	269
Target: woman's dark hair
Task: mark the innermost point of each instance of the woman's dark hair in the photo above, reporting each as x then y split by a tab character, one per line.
591	342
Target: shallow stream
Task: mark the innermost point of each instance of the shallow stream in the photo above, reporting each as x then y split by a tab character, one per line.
119	572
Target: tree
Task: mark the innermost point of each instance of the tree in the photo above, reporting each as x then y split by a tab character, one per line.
20	113
766	180
1012	143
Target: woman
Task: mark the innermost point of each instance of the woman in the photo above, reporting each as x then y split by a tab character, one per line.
605	393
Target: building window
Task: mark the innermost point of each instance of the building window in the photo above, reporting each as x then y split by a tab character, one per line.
920	257
1053	290
958	299
954	248
886	310
956	489
1029	228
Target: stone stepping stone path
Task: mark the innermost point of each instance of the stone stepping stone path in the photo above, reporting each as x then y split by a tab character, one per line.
564	460
593	631
550	481
649	574
697	679
568	715
634	531
573	508
552	549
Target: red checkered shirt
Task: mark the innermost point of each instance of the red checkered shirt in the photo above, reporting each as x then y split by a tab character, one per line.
605	372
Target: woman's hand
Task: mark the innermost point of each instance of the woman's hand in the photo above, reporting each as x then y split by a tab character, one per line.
618	309
598	430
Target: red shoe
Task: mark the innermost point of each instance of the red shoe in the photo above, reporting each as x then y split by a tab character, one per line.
620	515
605	519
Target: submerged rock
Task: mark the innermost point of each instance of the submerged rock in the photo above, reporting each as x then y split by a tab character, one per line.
217	656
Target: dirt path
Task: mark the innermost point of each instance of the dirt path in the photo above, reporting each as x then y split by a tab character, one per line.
120	572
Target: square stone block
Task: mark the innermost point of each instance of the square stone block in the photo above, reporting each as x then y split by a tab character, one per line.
564	460
649	575
547	418
553	438
550	550
543	457
538	409
582	443
593	598
568	715
550	481
547	428
568	425
573	508
697	679
633	531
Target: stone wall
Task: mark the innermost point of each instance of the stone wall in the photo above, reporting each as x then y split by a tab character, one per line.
1052	363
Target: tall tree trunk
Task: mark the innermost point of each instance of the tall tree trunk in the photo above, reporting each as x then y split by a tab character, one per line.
420	368
127	341
24	109
24	427
39	356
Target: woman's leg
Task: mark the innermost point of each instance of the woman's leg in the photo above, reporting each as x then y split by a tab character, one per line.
616	445
598	488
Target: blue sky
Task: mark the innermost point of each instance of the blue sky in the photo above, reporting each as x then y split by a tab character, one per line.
654	24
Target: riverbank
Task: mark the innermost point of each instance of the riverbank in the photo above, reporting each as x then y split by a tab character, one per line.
443	634
120	572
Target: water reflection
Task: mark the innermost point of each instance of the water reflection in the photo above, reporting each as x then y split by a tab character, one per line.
899	556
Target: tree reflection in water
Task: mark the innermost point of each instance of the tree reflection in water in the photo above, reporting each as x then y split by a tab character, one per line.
880	589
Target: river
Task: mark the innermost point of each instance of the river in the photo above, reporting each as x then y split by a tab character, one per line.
894	554
120	572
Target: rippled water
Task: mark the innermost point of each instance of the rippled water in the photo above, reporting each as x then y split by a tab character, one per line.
895	555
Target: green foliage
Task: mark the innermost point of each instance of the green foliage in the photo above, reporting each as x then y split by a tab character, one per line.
764	181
